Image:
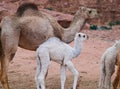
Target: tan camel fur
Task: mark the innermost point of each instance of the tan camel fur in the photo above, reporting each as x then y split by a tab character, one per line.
28	28
116	82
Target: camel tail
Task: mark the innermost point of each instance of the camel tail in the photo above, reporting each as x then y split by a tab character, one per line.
22	8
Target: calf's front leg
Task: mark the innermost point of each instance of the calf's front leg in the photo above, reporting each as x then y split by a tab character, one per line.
63	76
71	67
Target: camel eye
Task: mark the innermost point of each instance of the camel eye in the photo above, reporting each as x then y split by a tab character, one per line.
84	36
90	12
79	35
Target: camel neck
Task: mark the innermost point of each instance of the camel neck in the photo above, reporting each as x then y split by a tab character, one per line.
76	26
83	24
78	45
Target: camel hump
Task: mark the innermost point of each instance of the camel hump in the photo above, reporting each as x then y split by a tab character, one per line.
22	8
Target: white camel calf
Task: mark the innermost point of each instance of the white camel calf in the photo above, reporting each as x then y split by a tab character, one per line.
108	61
56	50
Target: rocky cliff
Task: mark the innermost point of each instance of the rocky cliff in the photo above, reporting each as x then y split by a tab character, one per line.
110	9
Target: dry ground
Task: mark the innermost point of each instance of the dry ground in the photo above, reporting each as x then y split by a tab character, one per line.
22	69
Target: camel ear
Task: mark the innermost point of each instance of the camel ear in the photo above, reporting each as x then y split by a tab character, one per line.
82	8
117	42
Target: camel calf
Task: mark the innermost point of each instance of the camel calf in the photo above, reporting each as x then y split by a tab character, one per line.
108	61
56	50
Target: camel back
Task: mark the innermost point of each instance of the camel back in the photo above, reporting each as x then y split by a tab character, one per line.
24	7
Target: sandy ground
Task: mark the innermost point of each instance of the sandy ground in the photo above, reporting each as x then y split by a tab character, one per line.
22	69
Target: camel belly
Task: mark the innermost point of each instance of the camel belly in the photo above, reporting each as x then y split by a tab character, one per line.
57	55
32	40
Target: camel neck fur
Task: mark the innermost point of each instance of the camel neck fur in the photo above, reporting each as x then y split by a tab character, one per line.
76	25
78	45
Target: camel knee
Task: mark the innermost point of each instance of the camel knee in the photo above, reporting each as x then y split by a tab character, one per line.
36	79
41	80
76	74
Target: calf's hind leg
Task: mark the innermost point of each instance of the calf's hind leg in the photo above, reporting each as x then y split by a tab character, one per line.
37	73
44	60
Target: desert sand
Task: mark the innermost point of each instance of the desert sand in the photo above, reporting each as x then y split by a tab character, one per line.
23	67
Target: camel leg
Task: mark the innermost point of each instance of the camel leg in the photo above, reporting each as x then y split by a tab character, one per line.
116	80
9	40
6	58
71	67
4	78
109	72
102	77
44	64
37	73
102	80
118	86
4	68
63	76
42	74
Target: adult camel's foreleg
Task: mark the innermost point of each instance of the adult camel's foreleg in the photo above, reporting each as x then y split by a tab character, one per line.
9	40
4	68
6	58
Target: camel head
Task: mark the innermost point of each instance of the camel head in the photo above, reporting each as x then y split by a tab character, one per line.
87	13
117	44
80	37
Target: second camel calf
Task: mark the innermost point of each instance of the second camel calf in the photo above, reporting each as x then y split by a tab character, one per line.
108	61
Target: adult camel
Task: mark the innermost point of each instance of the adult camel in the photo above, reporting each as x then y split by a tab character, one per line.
28	28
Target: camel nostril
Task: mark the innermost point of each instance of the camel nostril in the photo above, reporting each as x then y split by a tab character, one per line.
98	12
